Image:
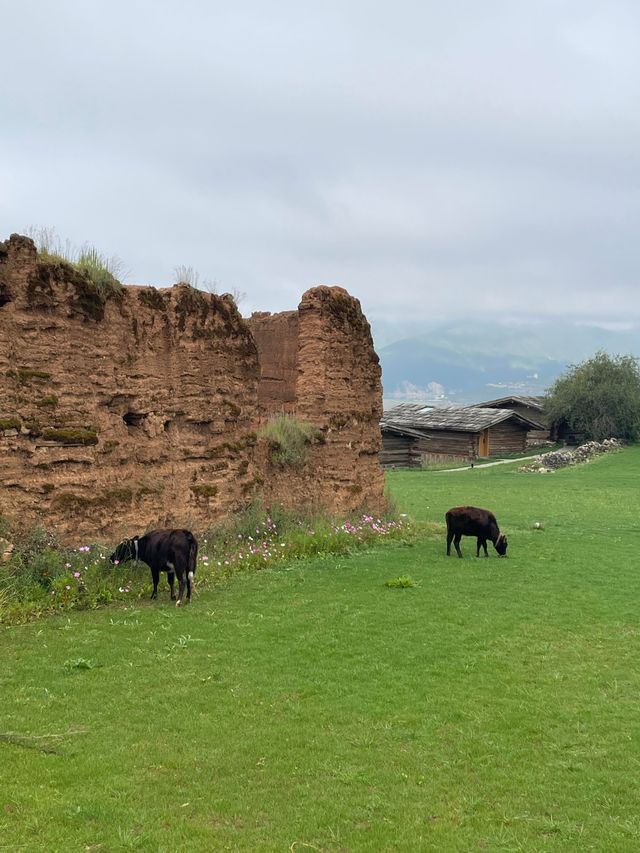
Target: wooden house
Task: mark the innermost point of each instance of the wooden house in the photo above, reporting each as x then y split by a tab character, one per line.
402	447
413	433
530	407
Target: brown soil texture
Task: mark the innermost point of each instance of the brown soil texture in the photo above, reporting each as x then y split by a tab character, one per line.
140	407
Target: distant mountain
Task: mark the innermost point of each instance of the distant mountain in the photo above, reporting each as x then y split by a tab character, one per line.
469	362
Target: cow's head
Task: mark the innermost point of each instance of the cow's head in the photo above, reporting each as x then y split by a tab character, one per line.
501	545
126	550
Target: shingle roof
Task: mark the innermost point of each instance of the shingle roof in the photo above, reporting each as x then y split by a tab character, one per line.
503	402
401	429
468	419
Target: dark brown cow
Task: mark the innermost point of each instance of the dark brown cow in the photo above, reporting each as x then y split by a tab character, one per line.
172	551
473	521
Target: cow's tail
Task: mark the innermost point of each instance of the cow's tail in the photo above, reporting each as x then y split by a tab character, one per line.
193	557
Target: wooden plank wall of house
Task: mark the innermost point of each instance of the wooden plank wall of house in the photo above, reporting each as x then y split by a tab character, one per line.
452	444
507	437
534	435
402	451
452	433
396	452
527	407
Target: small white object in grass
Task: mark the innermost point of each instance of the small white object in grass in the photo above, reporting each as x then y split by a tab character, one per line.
537	525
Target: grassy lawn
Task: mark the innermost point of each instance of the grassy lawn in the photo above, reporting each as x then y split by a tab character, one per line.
492	706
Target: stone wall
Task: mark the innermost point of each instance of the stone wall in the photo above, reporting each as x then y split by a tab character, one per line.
125	409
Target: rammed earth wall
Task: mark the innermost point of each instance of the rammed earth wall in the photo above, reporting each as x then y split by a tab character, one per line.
144	407
319	362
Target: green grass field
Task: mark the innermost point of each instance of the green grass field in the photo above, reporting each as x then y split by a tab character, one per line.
491	706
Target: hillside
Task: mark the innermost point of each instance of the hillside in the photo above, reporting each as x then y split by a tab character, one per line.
471	361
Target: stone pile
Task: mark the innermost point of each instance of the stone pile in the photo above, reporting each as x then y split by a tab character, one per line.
549	462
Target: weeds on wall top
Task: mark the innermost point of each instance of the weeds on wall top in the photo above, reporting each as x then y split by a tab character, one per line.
189	275
288	440
103	271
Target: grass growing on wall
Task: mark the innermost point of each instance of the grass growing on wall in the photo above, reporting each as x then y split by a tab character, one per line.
103	271
288	439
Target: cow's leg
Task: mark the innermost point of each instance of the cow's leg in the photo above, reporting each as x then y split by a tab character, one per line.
449	541
484	545
171	569
155	574
181	584
456	543
189	580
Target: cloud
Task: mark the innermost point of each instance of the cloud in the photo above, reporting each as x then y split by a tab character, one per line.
434	160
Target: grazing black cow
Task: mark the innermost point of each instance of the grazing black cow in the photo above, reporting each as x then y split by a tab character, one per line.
473	521
172	551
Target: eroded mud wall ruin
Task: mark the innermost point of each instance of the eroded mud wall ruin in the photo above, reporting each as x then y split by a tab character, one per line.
319	362
276	336
142	407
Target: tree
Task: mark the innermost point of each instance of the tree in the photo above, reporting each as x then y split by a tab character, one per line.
599	398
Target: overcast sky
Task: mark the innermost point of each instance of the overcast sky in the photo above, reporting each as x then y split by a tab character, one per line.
432	158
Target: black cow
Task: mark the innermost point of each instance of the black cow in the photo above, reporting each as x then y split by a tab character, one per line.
473	521
172	551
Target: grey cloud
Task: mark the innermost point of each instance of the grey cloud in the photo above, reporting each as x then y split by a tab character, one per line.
430	158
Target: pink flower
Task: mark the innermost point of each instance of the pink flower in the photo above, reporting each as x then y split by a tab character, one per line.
76	574
116	562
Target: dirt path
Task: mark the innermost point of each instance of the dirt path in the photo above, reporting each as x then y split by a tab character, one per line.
486	465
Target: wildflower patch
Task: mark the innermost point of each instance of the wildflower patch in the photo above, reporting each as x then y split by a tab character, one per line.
39	577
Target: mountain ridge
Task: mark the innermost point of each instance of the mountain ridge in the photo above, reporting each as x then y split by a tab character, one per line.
474	361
